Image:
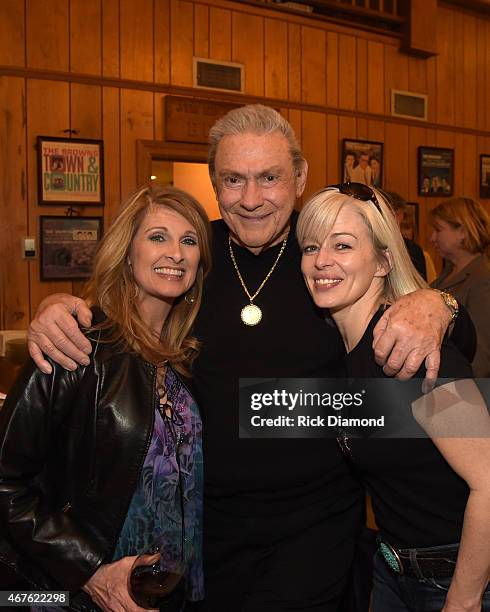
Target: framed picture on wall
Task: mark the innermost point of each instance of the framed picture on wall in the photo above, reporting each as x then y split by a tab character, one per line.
410	223
361	161
70	171
68	246
435	171
484	176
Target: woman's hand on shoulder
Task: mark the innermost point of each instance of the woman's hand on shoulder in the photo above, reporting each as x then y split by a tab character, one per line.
108	587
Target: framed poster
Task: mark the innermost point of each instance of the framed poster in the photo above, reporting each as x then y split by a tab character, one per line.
68	246
484	176
362	162
70	171
435	171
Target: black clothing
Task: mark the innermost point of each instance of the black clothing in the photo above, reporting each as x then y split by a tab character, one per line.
68	517
267	499
418	500
417	256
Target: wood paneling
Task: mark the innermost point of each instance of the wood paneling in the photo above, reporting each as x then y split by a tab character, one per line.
331	81
248	48
276	58
136	45
14	271
313	69
47	34
181	42
12	33
85	36
220	34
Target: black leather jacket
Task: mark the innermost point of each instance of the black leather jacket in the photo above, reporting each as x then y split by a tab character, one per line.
72	446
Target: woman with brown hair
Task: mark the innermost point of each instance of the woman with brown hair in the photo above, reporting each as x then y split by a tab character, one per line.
104	464
461	234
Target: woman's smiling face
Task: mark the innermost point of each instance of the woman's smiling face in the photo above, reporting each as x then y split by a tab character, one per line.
345	267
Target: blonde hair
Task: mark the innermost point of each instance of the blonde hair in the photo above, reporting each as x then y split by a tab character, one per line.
320	213
471	216
252	119
112	287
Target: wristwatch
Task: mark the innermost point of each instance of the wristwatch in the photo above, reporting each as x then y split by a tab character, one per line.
451	302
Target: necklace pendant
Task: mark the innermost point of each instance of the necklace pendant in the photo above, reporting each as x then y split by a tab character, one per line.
251	315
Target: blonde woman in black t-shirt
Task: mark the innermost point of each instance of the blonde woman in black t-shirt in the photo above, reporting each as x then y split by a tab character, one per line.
431	496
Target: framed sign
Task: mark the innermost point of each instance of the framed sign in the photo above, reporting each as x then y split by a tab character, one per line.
68	246
436	171
70	171
362	162
484	176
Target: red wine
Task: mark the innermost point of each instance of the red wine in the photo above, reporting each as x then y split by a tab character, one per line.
152	587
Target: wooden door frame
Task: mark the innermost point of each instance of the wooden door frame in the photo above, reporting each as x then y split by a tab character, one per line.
148	150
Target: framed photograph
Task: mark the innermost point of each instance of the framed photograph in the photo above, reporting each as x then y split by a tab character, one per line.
68	246
70	171
484	176
362	162
436	171
410	223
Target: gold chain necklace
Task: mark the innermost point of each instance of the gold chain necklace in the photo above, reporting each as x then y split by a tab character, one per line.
252	314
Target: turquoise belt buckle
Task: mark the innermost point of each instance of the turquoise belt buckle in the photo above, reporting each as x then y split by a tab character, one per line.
391	557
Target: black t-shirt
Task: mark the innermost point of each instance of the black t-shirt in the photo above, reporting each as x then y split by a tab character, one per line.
418	500
263	476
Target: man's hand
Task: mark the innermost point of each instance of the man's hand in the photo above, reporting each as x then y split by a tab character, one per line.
411	332
55	332
108	587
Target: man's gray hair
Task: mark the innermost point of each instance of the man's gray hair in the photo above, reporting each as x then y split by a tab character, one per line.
252	119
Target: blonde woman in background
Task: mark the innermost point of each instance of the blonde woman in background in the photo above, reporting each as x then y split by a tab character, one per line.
461	234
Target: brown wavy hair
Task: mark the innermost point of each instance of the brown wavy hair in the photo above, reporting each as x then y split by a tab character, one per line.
112	288
471	216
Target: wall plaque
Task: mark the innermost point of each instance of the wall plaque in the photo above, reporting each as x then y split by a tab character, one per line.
189	119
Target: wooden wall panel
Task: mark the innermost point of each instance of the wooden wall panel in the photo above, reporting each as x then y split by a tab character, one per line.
136	123
85	36
333	155
201	30
220	34
294	62
136	46
376	78
47	34
470	163
313	71
43	97
482	89
459	69
469	74
395	166
313	140
181	42
445	66
14	271
247	45
112	148
276	58
86	110
362	75
396	73
110	38
12	33
332	66
162	41
348	72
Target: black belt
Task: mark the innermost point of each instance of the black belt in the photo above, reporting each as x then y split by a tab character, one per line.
418	562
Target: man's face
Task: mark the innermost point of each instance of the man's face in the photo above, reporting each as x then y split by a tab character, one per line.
363	161
256	187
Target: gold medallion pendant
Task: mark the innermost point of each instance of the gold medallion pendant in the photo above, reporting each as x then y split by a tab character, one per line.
251	314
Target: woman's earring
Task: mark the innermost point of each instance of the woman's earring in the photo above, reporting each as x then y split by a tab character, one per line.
190	296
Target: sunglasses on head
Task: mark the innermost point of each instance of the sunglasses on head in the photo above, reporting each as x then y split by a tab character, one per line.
359	191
